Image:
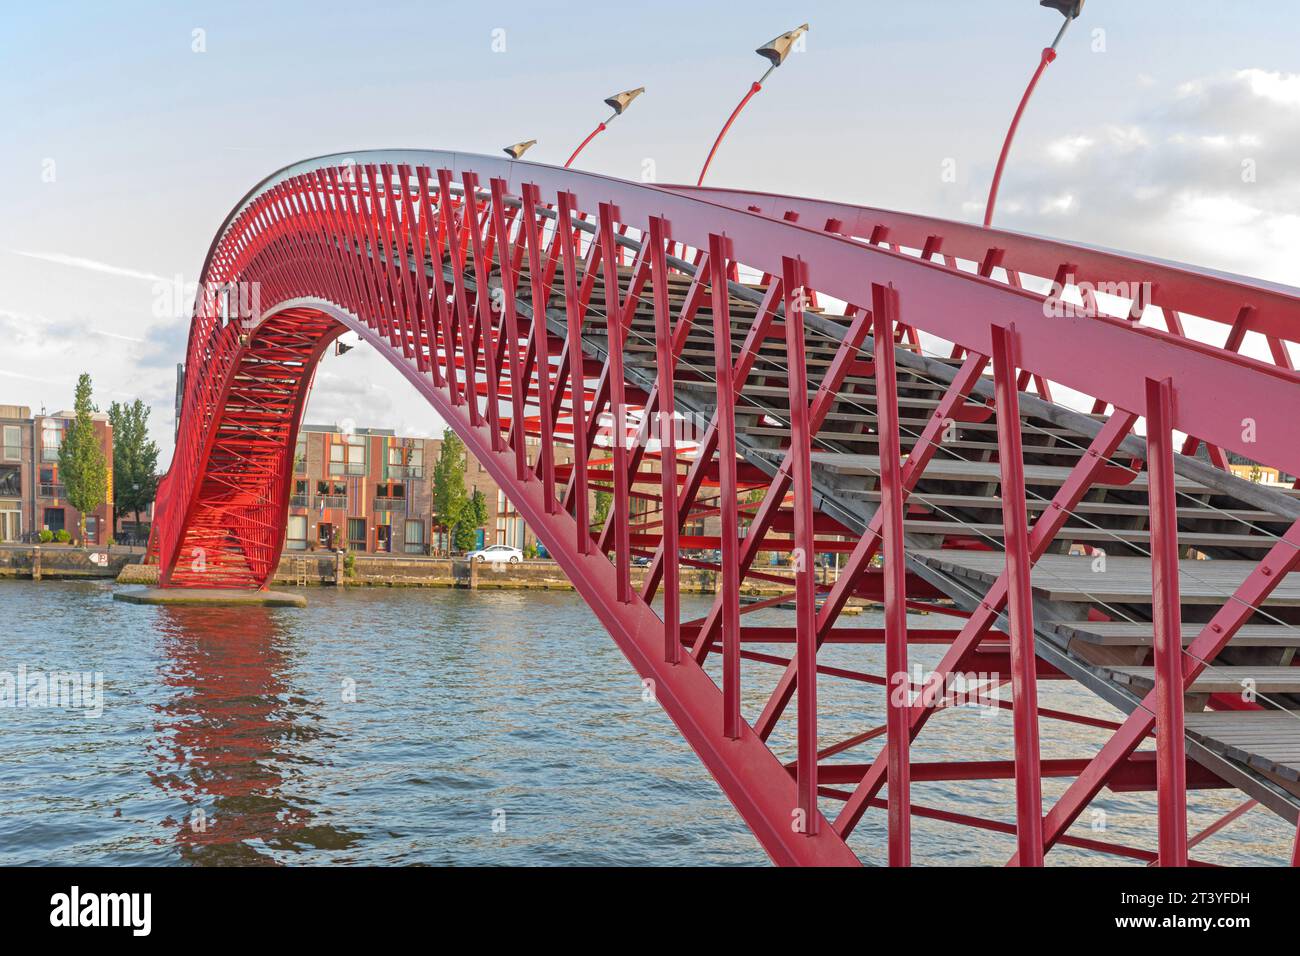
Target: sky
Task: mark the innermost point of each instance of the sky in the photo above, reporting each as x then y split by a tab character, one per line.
1168	129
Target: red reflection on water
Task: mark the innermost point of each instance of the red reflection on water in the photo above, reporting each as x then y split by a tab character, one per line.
231	739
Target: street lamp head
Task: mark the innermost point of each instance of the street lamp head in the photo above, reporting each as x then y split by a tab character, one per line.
776	50
620	101
1070	9
518	149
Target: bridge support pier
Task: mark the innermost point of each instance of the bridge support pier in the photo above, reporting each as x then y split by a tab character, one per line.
210	597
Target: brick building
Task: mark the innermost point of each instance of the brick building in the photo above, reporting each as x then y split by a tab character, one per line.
369	491
32	498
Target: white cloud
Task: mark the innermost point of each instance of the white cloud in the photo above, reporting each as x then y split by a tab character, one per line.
1280	88
1209	175
90	265
1069	148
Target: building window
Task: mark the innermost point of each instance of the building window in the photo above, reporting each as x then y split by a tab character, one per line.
414	536
51	439
405	462
53	519
325	535
332	494
356	534
13	443
299	499
10	482
390	496
297	534
50	487
348	455
511	528
300	455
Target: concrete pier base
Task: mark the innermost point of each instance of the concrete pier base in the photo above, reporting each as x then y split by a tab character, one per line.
210	597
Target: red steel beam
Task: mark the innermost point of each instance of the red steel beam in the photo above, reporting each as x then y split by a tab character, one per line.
1024	687
1166	615
885	314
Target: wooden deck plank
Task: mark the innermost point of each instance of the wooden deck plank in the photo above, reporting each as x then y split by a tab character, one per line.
1060	577
1124	634
944	469
1221	679
1267	740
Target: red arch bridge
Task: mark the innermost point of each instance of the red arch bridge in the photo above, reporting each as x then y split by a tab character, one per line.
1012	435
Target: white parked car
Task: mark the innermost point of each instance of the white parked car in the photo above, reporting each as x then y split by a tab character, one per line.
497	552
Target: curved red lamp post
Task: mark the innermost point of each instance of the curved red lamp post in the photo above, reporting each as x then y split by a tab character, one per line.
1070	9
775	52
618	103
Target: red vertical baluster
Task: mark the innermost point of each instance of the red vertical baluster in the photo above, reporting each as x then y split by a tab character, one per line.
577	380
483	310
439	326
541	346
885	312
457	255
510	319
1024	683
618	406
719	269
794	283
413	275
1166	613
666	362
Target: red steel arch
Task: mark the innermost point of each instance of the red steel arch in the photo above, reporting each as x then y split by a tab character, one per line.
529	302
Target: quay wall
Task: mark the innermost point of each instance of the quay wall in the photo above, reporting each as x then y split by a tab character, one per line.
326	569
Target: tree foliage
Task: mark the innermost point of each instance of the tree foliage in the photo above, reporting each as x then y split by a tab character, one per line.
135	459
473	515
83	468
454	507
600	509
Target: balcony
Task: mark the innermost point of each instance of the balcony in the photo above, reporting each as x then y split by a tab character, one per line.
52	491
390	504
298	501
331	501
405	471
351	468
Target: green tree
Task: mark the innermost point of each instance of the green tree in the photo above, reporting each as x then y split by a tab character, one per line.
82	465
135	459
473	514
600	510
454	508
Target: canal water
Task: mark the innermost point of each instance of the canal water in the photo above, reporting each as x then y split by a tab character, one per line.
383	726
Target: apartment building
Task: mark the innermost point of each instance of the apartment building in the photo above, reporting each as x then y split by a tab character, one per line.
32	498
368	490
